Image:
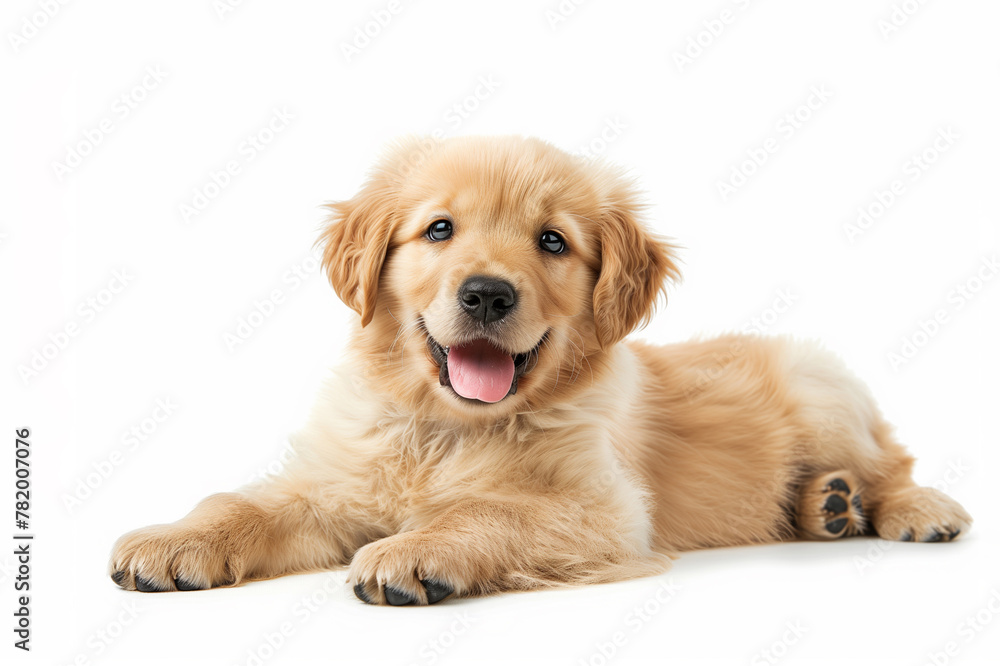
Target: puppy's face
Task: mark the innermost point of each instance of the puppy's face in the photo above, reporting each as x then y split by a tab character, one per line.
491	274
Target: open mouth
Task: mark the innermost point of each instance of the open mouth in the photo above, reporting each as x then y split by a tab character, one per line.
479	370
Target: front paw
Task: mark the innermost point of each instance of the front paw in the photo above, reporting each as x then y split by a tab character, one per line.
164	558
406	569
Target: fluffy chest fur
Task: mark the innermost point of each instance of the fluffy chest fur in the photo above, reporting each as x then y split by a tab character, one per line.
408	468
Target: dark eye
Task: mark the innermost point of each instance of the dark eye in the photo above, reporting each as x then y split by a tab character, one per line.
439	230
552	242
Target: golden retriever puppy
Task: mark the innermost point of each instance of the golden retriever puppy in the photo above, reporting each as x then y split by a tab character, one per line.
490	430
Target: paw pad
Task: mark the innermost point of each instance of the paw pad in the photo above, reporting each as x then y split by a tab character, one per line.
838	485
830	506
836	526
836	505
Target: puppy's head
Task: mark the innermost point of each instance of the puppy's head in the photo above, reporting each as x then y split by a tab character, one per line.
491	274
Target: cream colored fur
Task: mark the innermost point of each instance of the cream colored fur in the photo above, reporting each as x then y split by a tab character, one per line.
611	457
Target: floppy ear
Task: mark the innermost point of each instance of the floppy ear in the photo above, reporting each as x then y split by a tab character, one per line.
356	238
355	242
635	265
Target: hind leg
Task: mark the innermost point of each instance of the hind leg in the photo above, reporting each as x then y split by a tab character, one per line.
843	430
880	500
914	513
899	509
833	505
878	497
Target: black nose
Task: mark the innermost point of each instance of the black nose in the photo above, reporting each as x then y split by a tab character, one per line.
487	299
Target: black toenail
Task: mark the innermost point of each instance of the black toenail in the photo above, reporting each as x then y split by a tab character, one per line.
934	537
359	592
185	586
145	585
906	537
835	504
119	578
436	591
838	484
836	526
952	535
856	503
397	597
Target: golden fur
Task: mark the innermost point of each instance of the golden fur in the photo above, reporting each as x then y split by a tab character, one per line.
610	457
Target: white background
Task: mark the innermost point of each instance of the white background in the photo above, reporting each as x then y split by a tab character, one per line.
605	67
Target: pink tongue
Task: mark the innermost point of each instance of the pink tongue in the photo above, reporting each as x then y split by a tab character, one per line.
479	371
